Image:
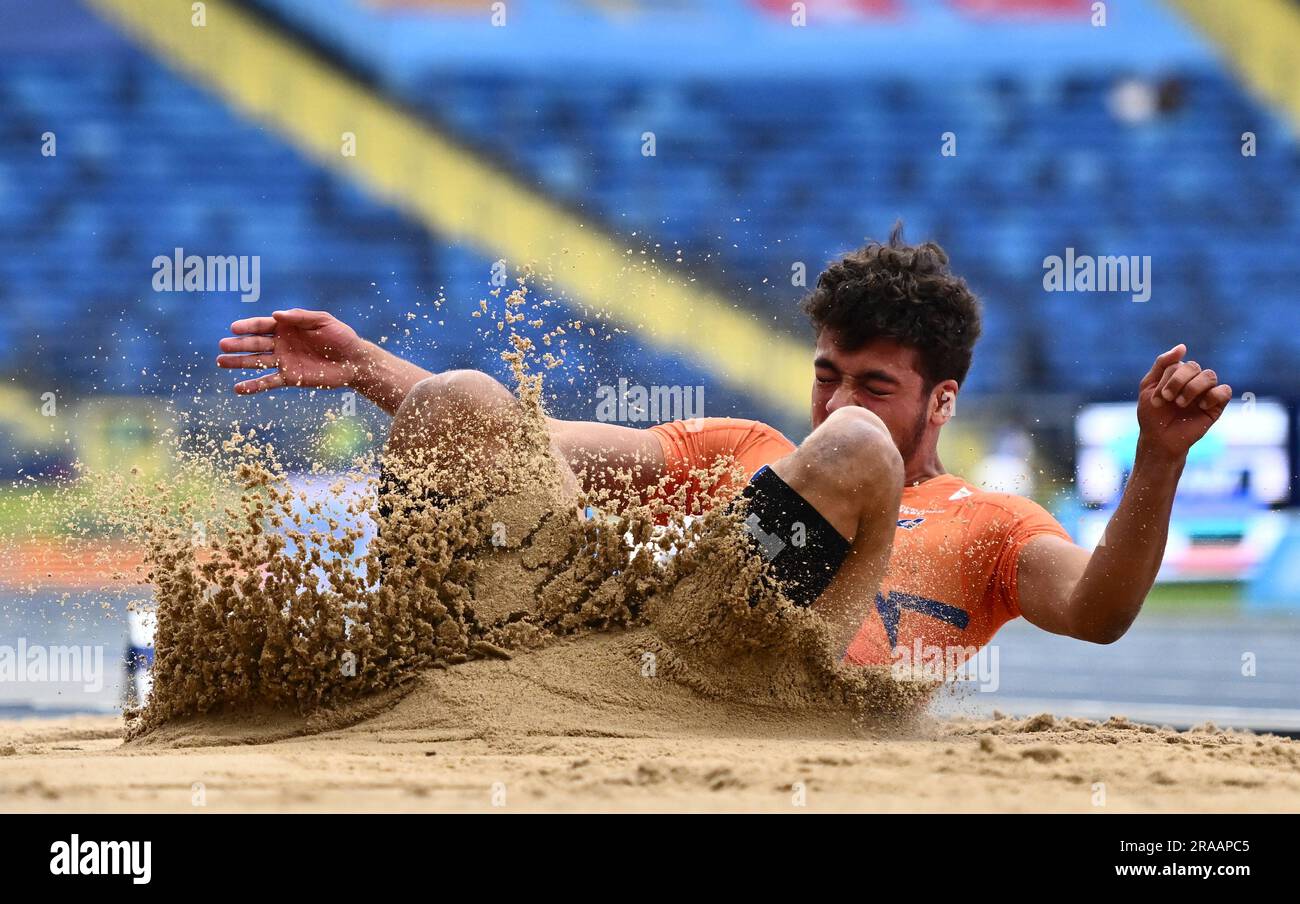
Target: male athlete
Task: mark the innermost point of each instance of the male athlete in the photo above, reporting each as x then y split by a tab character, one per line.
897	550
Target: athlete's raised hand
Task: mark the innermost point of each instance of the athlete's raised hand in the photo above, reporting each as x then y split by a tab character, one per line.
1178	401
306	348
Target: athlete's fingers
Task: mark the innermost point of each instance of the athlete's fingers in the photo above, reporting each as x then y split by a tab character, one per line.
300	318
270	381
261	362
1214	401
1176	378
1196	387
1162	363
1159	383
253	325
246	344
1172	383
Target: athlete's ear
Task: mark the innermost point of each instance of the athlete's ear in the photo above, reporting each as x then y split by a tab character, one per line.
944	402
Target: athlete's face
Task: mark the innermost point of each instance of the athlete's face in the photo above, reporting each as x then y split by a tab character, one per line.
885	378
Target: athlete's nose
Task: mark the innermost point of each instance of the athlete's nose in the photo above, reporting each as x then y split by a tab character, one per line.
841	398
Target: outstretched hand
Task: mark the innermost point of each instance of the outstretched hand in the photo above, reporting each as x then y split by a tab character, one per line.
306	348
1178	401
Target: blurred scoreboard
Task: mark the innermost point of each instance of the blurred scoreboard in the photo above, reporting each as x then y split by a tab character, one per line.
1228	514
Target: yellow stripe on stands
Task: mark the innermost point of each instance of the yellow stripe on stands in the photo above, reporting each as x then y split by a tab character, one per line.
408	164
1261	40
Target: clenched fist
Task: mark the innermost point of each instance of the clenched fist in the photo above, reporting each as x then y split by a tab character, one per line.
1178	401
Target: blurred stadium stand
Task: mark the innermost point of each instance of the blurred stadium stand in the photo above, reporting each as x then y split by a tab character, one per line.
770	150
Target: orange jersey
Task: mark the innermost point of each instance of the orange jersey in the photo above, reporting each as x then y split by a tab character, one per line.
952	574
701	442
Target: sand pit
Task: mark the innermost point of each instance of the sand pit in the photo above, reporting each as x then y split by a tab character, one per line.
459	743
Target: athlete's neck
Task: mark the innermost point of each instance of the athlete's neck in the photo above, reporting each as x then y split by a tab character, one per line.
922	468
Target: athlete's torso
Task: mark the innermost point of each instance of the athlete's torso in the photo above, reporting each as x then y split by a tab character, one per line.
951	581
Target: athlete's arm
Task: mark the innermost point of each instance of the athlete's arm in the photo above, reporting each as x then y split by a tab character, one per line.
315	350
602	455
1096	596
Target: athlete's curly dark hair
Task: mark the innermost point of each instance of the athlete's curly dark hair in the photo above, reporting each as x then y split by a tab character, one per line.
901	292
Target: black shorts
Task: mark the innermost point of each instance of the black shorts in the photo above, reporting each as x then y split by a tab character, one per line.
802	548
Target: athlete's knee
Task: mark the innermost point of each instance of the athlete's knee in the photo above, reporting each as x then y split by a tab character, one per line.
464	390
853	448
464	403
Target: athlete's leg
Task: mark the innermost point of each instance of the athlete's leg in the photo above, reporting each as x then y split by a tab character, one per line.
463	419
850	472
462	436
